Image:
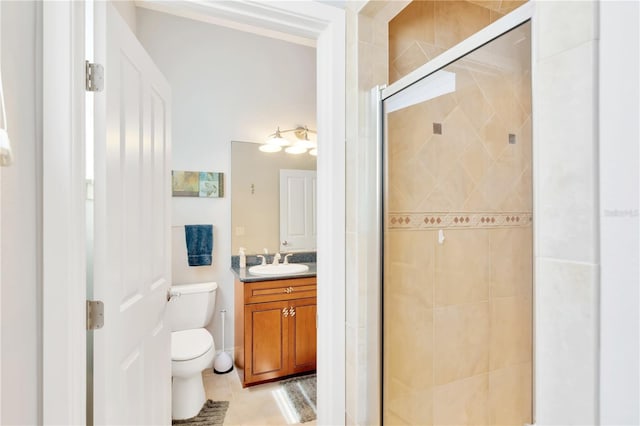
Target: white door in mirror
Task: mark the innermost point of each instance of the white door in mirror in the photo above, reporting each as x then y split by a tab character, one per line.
281	269
297	210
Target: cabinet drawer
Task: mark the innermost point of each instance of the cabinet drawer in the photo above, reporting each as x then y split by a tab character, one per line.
271	291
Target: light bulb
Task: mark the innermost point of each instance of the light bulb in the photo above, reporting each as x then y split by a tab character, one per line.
278	140
306	143
295	149
267	147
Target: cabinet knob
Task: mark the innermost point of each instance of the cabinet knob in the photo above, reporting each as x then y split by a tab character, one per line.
290	289
292	311
285	312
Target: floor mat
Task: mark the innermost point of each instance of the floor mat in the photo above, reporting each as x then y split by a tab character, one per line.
301	392
212	413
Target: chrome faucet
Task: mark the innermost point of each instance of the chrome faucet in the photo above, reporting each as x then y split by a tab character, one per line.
276	258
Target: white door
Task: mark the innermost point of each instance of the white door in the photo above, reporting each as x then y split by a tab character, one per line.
297	210
132	358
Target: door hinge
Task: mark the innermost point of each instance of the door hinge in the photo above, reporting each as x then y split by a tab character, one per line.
94	77
95	314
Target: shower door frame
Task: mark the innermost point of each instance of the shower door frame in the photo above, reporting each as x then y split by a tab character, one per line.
379	95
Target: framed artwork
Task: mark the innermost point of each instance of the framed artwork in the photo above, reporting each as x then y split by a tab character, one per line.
197	184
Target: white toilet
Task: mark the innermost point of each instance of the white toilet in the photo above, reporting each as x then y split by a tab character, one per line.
192	347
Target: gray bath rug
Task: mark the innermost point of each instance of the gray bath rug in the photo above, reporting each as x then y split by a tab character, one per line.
301	391
212	413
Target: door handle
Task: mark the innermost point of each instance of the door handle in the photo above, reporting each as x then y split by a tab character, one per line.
292	311
285	312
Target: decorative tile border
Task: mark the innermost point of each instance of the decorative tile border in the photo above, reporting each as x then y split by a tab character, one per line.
458	220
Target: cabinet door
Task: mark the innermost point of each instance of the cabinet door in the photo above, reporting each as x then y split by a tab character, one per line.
266	341
302	348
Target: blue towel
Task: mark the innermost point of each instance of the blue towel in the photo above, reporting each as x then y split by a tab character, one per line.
199	244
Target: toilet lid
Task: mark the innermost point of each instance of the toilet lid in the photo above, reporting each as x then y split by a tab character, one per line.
190	344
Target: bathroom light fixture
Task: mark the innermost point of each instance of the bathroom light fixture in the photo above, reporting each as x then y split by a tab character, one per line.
6	156
300	145
302	135
277	139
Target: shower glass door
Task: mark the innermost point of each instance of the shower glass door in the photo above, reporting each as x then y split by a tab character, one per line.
457	232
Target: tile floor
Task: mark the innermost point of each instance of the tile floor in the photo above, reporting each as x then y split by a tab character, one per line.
256	405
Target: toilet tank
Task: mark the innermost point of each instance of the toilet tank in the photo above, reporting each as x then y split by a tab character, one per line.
192	305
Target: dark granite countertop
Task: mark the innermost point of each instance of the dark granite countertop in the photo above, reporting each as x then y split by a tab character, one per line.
244	276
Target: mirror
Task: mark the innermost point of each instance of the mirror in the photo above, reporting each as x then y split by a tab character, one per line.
255	196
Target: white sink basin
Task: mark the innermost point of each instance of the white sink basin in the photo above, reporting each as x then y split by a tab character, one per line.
280	269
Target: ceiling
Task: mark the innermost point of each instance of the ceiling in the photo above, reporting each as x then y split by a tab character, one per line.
265	18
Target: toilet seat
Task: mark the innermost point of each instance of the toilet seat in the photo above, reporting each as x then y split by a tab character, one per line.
190	344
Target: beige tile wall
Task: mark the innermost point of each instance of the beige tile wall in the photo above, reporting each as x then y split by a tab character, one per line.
458	315
457	326
424	29
567	271
367	66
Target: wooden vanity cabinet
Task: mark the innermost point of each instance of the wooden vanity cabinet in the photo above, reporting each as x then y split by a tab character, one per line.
275	329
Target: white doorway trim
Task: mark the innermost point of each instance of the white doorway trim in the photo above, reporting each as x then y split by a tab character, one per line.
64	293
5	124
63	227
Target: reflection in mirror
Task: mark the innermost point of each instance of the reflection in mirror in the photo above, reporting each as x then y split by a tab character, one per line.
255	196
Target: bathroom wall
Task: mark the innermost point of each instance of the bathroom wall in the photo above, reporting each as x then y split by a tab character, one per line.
226	85
367	65
458	323
619	131
566	218
566	197
21	347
